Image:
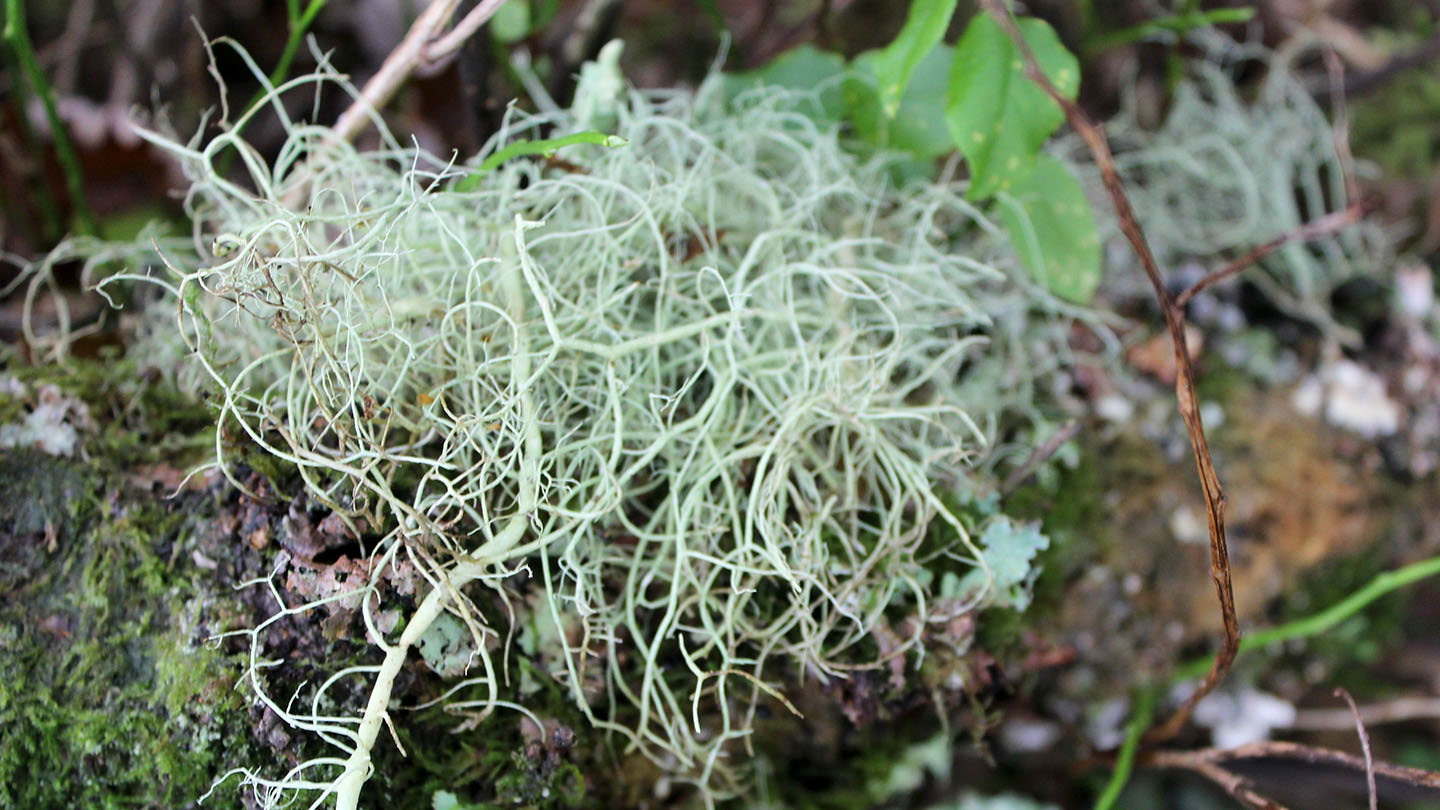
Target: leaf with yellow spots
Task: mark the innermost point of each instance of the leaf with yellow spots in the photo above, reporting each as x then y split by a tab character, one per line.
997	117
1051	226
917	127
893	65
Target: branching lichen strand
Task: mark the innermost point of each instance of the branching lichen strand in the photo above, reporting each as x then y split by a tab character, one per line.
724	459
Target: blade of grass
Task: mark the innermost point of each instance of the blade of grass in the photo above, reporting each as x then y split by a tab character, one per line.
1321	621
18	38
1125	759
299	24
545	147
1182	23
49	211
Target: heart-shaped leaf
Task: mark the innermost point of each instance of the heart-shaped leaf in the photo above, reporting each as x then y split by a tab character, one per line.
1052	228
918	124
998	117
924	27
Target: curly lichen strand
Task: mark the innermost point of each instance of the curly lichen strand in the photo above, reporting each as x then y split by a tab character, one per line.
492	553
735	451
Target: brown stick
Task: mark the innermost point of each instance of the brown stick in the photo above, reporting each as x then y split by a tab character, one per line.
424	41
1308	754
1364	745
1398	710
1202	763
1328	224
1038	456
1094	137
1325	756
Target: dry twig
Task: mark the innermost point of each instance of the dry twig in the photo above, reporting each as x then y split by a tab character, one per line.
1210	763
1399	710
1328	224
423	43
1094	137
1364	744
1204	762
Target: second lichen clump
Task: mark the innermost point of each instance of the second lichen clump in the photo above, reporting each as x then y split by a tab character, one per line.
709	388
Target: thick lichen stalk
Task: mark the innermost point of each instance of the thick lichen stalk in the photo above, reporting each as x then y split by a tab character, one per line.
357	767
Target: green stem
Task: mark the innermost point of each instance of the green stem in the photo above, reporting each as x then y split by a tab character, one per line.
299	23
1181	23
18	38
299	26
546	147
1312	625
1317	623
51	227
1125	759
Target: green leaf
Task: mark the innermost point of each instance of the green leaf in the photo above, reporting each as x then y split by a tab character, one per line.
511	22
924	27
1053	230
803	68
918	125
999	118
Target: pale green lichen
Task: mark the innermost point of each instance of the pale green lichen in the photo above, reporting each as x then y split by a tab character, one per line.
708	388
1229	169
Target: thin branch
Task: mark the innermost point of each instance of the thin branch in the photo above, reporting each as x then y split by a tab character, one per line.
1328	224
448	44
1364	744
1366	81
1399	710
1094	137
1203	763
1038	456
413	51
1309	754
1210	763
1415	777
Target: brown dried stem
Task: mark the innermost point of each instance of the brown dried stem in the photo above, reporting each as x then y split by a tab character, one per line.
1364	744
1328	224
1399	710
1204	762
1094	137
1210	763
423	43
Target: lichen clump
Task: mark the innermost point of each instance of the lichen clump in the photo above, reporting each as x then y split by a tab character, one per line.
708	388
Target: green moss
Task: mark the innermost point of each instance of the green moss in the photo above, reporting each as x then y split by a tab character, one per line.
102	679
1072	513
40	493
109	695
1395	126
140	421
493	766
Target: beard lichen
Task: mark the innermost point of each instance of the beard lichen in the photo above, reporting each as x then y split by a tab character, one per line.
695	407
